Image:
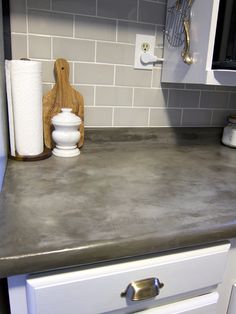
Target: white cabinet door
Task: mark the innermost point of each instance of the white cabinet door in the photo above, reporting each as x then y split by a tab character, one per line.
98	289
202	37
205	304
232	303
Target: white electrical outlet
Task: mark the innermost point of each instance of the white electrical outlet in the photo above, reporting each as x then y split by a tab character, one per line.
144	43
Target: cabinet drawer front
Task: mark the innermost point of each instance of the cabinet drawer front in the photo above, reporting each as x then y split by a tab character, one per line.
98	290
205	304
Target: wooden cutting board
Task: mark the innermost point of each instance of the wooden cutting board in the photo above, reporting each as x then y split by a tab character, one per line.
62	95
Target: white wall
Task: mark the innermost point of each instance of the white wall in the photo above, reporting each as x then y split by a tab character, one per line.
3	128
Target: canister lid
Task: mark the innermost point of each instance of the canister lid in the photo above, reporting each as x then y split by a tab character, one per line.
66	117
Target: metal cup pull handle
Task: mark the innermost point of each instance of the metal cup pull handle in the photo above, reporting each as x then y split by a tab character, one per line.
186	51
143	289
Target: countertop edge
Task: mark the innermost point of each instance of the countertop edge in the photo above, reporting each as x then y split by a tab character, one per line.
98	253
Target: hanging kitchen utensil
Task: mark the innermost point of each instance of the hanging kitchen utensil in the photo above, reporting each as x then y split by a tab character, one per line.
178	27
62	95
174	25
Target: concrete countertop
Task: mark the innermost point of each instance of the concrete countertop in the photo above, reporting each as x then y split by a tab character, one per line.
118	199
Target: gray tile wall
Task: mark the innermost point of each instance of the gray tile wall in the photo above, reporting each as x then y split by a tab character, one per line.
98	38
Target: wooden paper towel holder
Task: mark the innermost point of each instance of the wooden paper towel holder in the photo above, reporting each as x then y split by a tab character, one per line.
45	154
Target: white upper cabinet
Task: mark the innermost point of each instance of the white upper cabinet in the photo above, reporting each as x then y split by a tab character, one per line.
203	17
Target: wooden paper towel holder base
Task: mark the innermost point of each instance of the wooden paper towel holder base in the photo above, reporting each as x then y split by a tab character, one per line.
45	154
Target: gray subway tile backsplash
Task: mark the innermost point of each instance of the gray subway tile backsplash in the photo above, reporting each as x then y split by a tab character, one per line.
165	117
19	46
73	49
128	76
87	7
113	96
146	97
200	87
196	117
232	101
127	31
98	38
87	93
173	85
39	47
131	117
118	9
183	98
91	73
36	4
160	35
219	117
50	23
95	28
48	71
18	16
152	12
156	77
213	99
97	116
115	53
226	88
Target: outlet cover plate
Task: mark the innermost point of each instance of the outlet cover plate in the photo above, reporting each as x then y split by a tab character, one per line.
140	40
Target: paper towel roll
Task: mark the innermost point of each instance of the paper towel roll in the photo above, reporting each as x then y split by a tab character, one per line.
25	106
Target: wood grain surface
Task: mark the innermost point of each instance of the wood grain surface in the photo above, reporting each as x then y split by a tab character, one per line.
45	154
62	95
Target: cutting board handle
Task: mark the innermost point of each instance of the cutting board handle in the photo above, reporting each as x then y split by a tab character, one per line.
62	95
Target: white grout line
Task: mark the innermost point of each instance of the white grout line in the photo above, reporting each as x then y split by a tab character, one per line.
96	10
155	34
113	116
100	17
228	100
51	42
73	29
168	98
200	98
138	87
94	95
152	78
149	114
139	126
114	75
181	118
77	38
211	120
150	107
116	31
153	1
118	126
137	10
95	52
132	98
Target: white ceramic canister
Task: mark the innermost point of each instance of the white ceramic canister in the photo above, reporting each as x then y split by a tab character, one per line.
66	134
229	134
